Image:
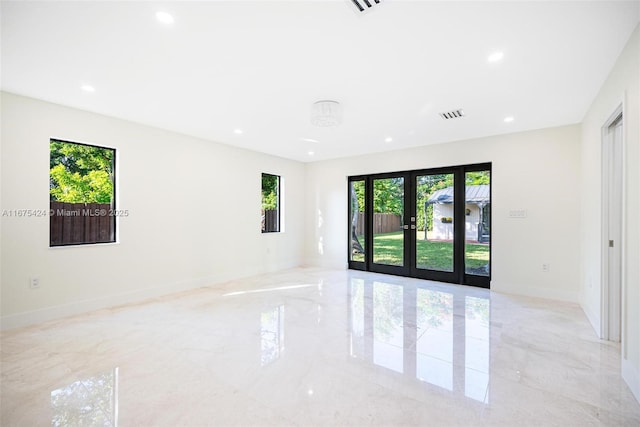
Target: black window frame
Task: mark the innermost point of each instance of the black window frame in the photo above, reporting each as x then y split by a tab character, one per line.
409	269
90	210
278	210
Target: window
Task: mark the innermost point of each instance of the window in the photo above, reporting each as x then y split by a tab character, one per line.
432	223
81	194
270	203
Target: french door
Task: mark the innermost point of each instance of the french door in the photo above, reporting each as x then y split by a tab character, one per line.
432	224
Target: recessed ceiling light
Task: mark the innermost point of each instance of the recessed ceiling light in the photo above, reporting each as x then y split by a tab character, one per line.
238	131
311	153
88	88
388	139
495	57
164	17
309	140
508	119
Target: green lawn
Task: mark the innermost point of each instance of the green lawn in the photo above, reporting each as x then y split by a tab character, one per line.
432	255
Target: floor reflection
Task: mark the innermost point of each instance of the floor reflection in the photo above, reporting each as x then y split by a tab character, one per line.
388	332
477	345
436	337
89	402
434	346
271	335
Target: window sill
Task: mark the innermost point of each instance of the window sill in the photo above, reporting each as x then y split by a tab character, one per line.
84	245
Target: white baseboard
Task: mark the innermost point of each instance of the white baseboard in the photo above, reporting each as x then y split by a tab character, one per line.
593	319
536	292
78	307
631	376
28	318
332	264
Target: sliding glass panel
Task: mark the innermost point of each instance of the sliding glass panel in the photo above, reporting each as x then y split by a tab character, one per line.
477	222
356	190
435	217
388	211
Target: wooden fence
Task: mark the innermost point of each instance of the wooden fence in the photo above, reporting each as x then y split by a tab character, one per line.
75	223
270	221
382	223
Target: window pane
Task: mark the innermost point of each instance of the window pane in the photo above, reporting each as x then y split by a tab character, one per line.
270	203
477	222
81	194
435	208
388	211
357	221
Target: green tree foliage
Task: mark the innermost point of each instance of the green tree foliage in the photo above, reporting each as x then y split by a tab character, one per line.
388	196
358	187
270	191
478	178
80	173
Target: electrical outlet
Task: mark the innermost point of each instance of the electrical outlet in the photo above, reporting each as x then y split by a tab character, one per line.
545	267
34	282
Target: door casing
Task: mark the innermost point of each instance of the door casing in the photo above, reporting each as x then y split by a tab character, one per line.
612	227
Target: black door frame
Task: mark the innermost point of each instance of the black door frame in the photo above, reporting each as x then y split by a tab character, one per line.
409	269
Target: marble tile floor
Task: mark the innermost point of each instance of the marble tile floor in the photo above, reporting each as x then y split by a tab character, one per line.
317	347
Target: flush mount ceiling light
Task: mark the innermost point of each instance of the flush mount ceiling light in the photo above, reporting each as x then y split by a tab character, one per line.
326	114
508	119
87	88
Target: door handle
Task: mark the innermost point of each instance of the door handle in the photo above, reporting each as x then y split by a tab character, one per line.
413	226
406	227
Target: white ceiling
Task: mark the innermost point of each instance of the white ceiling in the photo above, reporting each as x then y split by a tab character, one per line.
259	66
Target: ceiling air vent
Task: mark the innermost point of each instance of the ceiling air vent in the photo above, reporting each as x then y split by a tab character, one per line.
365	5
448	115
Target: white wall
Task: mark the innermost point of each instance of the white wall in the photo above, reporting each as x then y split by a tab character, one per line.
194	214
621	87
537	171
